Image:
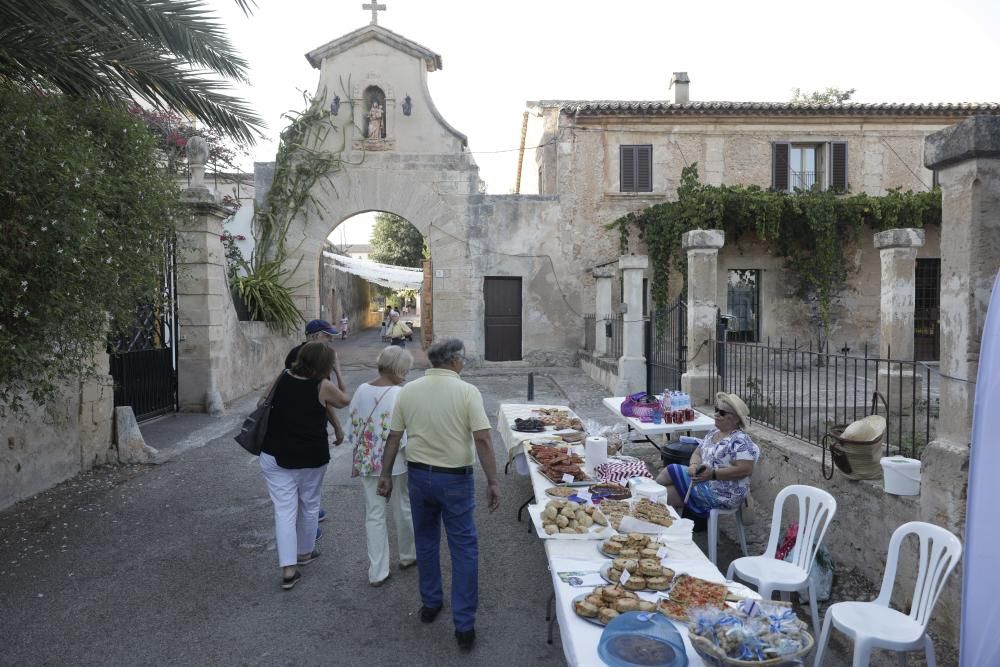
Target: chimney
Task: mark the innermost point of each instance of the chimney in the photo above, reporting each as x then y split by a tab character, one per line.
680	83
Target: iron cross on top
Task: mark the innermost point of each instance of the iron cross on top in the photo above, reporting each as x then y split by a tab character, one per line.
376	8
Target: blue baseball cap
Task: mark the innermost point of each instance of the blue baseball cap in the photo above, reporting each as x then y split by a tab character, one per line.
316	326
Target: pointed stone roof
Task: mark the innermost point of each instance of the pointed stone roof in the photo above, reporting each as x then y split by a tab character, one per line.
377	32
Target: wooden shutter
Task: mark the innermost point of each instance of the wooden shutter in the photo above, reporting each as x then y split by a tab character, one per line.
643	168
636	168
779	166
627	159
838	165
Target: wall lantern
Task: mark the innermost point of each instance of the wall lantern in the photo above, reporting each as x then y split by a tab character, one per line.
407	105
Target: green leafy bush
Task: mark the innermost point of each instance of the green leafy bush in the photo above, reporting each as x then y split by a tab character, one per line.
85	216
810	230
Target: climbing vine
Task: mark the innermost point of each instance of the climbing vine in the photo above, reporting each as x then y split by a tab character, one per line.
811	230
301	164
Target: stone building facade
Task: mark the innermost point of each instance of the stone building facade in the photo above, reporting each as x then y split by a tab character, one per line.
604	159
419	167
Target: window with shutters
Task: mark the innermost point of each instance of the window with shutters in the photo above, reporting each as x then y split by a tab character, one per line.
803	166
636	168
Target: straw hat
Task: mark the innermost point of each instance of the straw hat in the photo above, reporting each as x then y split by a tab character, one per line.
737	404
865	430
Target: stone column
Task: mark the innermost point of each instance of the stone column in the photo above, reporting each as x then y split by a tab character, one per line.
632	364
602	306
202	301
898	251
967	159
702	246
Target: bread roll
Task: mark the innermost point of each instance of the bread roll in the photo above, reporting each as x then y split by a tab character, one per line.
607	615
626	604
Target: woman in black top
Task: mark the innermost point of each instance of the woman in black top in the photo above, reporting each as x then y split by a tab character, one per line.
295	453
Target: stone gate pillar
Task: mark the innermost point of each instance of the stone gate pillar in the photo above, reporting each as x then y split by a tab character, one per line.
898	251
967	159
202	300
602	306
702	246
632	364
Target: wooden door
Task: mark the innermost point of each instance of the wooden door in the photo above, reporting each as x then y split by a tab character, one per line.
503	318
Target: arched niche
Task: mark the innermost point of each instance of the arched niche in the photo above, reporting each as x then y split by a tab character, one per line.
372	89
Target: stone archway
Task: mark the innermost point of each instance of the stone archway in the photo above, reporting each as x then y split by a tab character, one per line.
434	197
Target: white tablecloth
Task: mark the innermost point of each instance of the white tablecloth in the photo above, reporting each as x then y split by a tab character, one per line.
512	439
701	423
580	638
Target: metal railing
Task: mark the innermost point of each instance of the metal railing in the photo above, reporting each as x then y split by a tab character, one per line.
803	180
804	391
589	332
614	330
666	347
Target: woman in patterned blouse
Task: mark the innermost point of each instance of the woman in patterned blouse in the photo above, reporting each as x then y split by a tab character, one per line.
721	466
370	411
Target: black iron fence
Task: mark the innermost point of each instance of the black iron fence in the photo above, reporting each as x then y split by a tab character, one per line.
614	331
589	332
804	391
666	347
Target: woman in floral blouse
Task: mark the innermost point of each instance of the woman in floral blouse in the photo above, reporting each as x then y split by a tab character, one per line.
725	459
370	414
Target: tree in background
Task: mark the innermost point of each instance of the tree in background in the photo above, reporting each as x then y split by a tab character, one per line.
395	241
828	96
169	53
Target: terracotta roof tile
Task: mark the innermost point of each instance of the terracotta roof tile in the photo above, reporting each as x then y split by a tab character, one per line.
664	108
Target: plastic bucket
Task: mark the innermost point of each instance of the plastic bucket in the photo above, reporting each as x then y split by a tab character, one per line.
901	475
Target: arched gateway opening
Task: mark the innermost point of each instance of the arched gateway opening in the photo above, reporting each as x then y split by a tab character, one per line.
374	263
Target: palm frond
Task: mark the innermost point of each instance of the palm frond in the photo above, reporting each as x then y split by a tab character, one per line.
170	53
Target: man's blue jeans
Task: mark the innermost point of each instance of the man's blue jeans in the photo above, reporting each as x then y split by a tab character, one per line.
441	497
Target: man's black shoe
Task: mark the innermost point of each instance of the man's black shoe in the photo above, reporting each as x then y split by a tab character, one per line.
465	638
428	614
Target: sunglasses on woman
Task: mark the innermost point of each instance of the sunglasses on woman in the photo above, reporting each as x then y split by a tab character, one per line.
723	413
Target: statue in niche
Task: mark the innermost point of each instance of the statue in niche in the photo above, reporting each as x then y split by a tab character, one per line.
376	121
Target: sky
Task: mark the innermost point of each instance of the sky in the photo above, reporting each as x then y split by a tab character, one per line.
499	54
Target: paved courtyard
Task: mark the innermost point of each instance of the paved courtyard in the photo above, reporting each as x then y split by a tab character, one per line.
175	563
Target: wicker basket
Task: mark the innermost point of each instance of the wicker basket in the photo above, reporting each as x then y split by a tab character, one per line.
714	656
862	455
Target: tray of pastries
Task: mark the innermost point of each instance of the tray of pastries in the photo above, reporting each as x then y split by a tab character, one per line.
644	574
568	519
630	545
605	603
687	592
642	509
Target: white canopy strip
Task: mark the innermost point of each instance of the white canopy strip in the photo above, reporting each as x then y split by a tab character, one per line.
396	277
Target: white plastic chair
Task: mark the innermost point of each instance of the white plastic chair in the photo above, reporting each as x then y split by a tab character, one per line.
767	573
713	531
874	624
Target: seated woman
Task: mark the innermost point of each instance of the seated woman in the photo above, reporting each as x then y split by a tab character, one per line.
725	459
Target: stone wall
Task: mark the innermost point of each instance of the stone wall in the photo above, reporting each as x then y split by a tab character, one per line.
866	517
343	293
48	444
602	370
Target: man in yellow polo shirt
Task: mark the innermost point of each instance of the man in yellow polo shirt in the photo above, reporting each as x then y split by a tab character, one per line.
446	427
